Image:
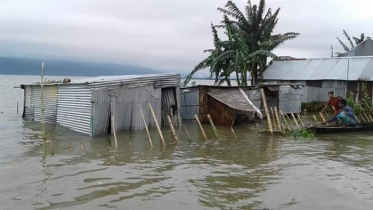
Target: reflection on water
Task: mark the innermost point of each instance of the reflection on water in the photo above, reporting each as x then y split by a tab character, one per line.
254	171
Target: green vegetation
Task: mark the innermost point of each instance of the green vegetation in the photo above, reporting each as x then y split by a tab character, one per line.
302	133
249	42
314	106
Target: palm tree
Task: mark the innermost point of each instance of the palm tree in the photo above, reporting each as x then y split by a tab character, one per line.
254	32
250	42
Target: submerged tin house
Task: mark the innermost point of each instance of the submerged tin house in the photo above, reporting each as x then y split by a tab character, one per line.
226	105
321	75
87	105
286	97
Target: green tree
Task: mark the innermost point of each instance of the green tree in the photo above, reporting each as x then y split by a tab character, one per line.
250	41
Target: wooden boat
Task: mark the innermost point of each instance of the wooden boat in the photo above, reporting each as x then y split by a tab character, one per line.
336	129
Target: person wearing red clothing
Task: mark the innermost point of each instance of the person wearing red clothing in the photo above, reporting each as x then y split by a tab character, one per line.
333	101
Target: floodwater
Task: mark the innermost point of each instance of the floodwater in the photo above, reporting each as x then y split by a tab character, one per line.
254	171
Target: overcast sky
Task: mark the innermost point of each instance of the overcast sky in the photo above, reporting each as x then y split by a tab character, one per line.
162	34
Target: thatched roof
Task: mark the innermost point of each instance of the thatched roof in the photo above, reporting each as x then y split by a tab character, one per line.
235	99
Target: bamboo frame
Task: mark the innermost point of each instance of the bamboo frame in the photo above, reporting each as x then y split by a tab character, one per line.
146	127
156	123
278	119
317	122
200	126
300	119
213	127
173	130
295	120
285	120
186	130
115	134
266	110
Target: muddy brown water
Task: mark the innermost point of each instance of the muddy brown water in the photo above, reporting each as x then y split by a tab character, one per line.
254	171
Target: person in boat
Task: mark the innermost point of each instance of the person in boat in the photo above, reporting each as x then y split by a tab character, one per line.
345	117
333	102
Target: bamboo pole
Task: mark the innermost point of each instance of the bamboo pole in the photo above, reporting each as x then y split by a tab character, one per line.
82	146
317	123
146	127
213	127
300	119
266	110
186	131
357	119
367	117
295	120
200	126
371	118
115	134
17	107
285	120
363	119
156	123
273	118
43	110
173	129
234	134
322	117
278	119
291	122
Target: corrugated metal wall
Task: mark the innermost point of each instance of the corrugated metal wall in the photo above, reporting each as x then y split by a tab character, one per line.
169	106
33	103
101	111
125	107
189	103
290	99
28	110
74	107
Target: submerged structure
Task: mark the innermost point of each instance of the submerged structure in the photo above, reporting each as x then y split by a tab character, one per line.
321	75
226	105
87	105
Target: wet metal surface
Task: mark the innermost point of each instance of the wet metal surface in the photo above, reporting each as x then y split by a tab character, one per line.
255	171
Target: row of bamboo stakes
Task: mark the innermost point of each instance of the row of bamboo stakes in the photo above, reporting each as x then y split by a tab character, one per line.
173	131
295	121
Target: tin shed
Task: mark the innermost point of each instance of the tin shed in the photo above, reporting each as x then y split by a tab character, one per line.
87	105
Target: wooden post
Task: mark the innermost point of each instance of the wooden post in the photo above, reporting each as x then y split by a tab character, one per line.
357	119
266	110
213	127
115	134
146	127
363	119
156	123
278	119
367	117
17	107
200	126
82	146
186	130
43	110
295	120
234	134
273	118
285	120
317	123
323	118
173	129
300	119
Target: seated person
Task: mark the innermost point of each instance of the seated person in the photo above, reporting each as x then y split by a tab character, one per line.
345	116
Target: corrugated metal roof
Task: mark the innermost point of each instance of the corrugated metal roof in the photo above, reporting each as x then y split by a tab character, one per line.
341	68
235	99
365	48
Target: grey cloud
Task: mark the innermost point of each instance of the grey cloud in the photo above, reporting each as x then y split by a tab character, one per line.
162	34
